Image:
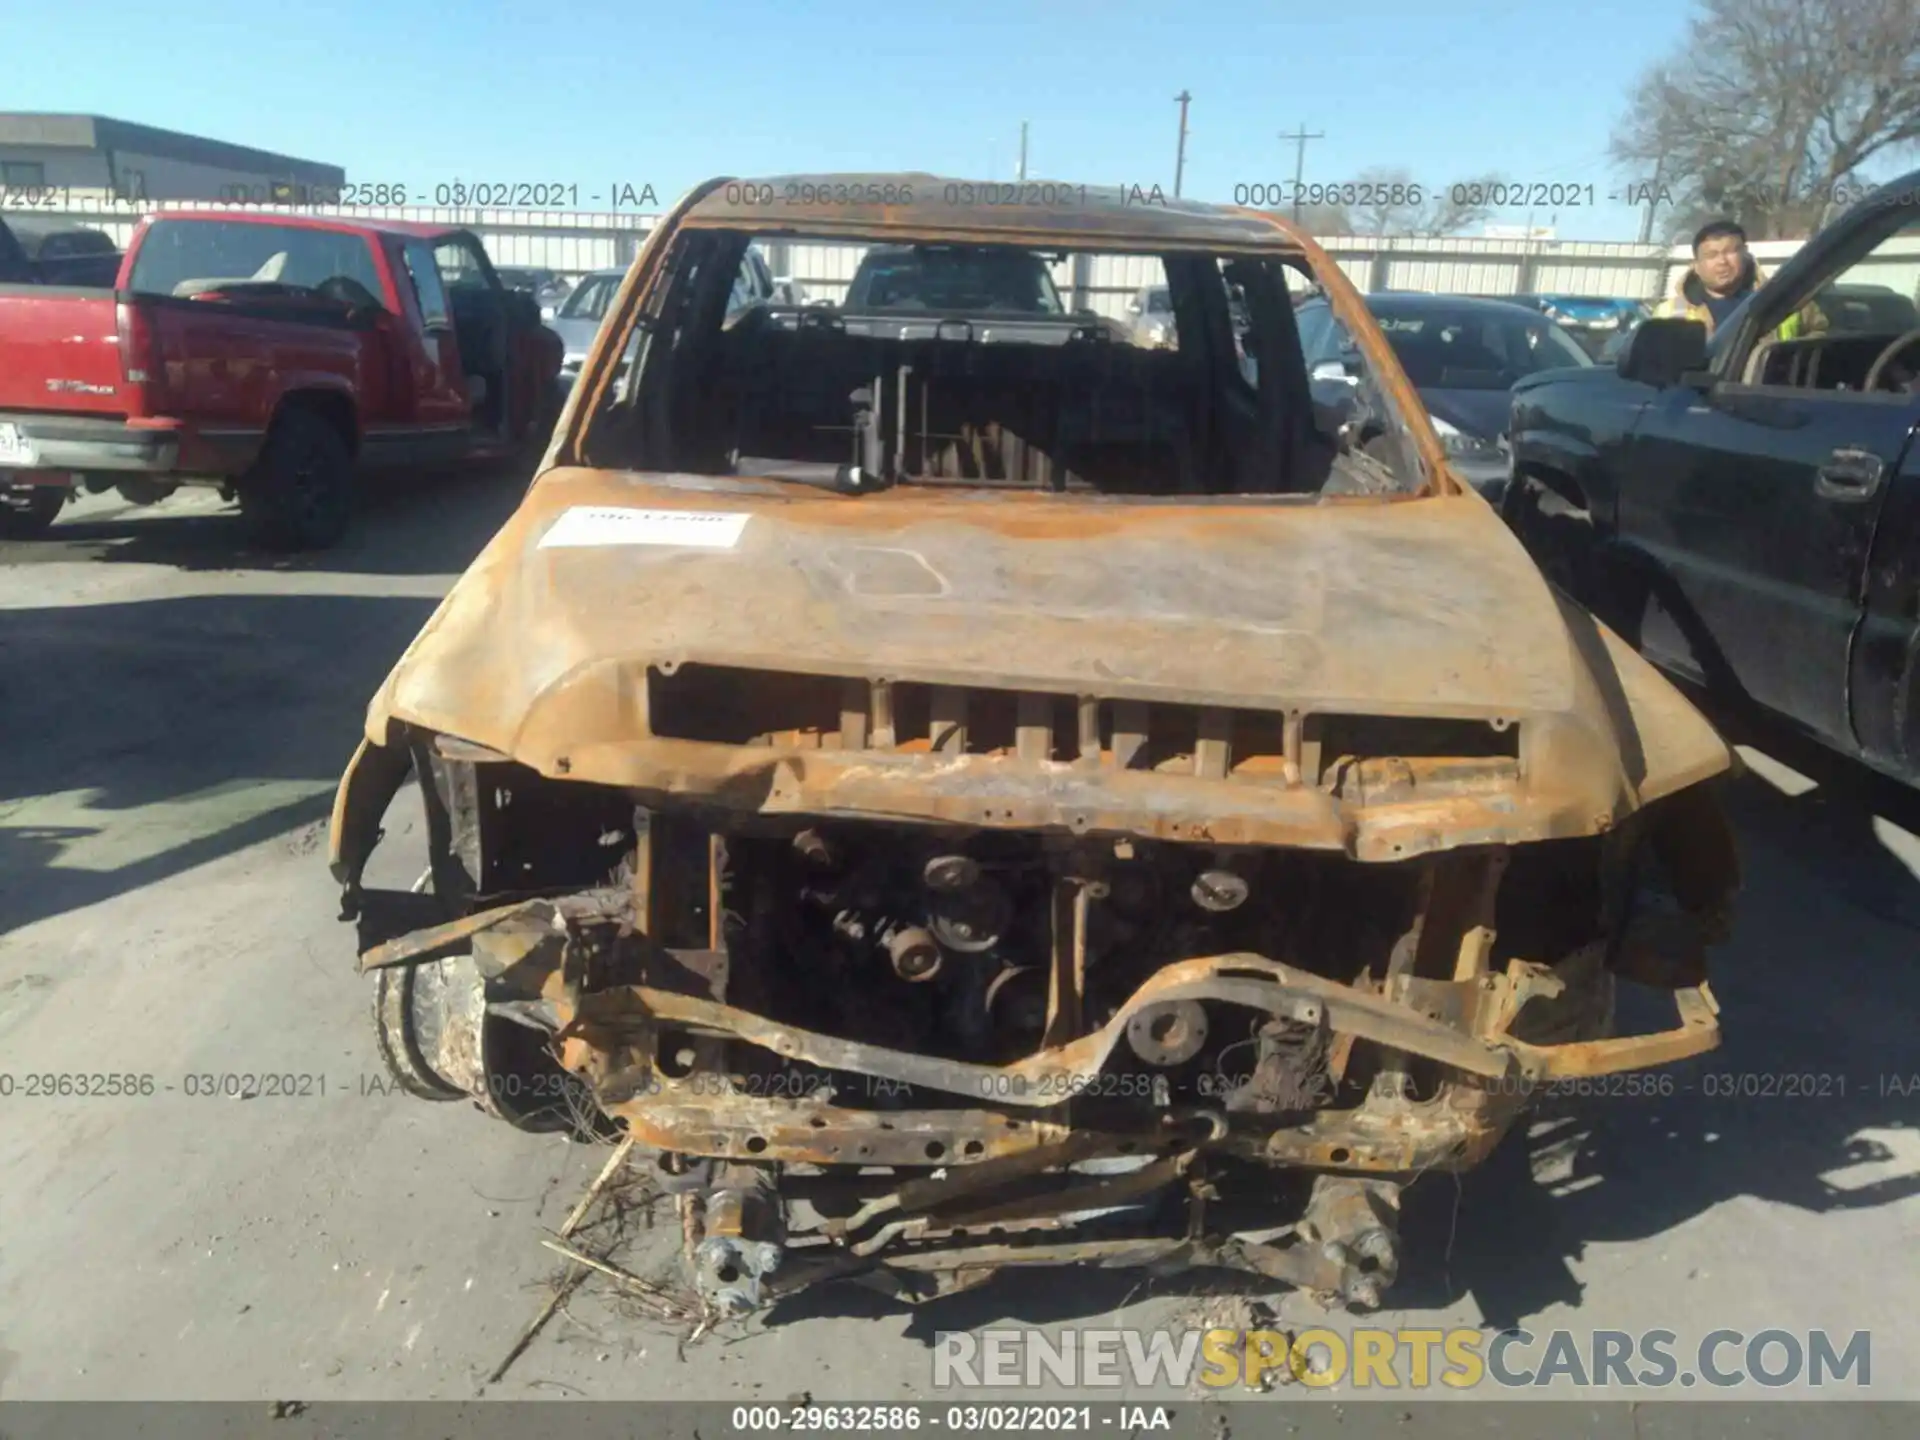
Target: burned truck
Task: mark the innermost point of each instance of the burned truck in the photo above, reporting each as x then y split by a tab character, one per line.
959	790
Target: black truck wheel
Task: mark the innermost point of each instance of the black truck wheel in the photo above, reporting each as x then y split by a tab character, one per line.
299	493
27	511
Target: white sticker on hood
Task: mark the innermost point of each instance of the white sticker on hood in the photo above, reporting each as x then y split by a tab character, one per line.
616	525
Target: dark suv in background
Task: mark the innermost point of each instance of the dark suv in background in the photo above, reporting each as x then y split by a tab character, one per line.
38	251
1463	355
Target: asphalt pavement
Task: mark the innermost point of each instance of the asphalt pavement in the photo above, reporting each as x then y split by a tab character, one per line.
177	710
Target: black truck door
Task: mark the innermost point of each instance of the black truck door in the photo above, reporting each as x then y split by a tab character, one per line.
1886	657
1756	498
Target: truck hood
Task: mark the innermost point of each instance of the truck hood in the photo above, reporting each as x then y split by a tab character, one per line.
1416	607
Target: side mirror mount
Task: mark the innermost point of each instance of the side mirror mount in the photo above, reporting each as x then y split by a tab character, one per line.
1660	352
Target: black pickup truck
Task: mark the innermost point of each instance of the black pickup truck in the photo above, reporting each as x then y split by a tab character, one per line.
937	291
1747	512
38	251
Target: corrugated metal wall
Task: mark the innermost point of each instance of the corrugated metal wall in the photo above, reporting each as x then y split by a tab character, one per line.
574	242
1502	267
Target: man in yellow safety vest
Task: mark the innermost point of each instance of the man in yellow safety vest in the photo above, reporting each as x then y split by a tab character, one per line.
1722	275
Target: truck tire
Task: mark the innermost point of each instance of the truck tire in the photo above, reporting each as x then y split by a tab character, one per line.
409	1022
299	493
28	511
143	490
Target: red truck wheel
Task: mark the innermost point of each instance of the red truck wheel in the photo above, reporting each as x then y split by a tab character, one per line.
27	512
299	494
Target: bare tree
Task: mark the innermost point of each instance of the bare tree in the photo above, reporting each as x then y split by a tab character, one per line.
1387	203
1770	110
1319	220
1463	203
1392	202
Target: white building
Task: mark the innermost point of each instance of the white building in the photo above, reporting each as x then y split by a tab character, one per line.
45	158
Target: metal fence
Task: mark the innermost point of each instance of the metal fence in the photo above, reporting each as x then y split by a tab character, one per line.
570	243
1104	283
575	242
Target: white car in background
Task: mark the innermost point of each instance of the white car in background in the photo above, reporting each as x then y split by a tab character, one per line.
1150	317
578	319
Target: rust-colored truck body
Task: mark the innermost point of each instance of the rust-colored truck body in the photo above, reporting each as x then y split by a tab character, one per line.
1036	818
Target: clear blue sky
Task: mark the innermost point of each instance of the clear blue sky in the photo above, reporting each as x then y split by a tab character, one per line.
589	92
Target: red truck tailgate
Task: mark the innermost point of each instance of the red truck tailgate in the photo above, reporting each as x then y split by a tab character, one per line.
62	351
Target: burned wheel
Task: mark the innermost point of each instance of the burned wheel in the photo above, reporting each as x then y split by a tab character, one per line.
439	1042
423	1026
27	512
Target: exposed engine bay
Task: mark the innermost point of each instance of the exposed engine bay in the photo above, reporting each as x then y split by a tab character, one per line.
936	1051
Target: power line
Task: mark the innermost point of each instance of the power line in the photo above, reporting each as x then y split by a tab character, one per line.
1300	138
1180	154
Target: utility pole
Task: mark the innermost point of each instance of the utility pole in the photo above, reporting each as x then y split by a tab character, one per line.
1023	151
1300	138
1653	199
1180	154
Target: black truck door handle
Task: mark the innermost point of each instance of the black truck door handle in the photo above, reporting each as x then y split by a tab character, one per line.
1849	474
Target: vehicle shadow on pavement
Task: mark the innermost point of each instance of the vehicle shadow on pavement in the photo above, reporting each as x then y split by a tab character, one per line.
1818	989
413	524
151	737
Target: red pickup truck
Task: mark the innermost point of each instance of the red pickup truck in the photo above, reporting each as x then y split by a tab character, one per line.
272	356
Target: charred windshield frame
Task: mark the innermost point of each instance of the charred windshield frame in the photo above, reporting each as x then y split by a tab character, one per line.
1259	435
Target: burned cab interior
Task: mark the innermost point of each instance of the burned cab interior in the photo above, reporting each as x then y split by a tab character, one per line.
979	366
